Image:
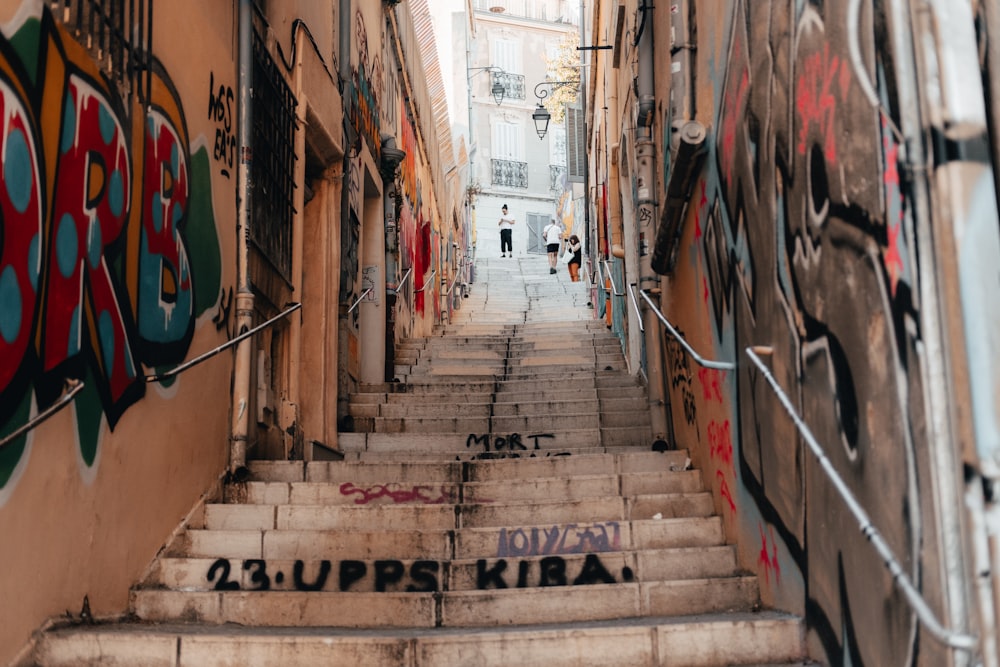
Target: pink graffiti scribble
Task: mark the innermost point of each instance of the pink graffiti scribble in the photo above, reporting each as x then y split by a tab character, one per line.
815	101
768	560
710	383
704	289
416	494
720	441
724	491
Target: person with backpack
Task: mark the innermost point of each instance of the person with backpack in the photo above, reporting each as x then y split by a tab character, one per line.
553	239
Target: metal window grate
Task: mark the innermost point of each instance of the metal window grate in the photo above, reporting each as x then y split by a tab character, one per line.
273	166
119	36
509	173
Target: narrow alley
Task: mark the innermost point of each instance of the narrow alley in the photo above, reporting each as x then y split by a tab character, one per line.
500	505
293	372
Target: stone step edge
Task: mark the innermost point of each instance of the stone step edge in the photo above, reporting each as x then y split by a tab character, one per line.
578	564
471	609
126	624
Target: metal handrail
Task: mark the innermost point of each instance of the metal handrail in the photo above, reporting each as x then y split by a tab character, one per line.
718	365
453	283
611	278
402	281
635	305
916	601
430	281
360	299
74	386
211	353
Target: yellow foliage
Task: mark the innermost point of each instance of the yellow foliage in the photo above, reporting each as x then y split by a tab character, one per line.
564	66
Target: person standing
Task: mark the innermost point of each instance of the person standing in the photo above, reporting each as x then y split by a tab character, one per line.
506	231
553	239
574	246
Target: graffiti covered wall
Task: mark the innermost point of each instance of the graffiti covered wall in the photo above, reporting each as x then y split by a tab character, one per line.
799	237
111	269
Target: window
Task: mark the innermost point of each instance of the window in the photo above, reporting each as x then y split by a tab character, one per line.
273	166
507	141
507	55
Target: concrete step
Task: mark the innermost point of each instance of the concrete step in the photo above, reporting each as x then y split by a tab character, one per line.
386	491
421	472
438	515
483	442
513	539
703	641
494	607
207	574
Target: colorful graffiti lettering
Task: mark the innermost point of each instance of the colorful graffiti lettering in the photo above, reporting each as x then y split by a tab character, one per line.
95	196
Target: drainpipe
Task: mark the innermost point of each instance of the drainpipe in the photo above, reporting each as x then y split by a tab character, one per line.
645	189
244	293
350	139
391	158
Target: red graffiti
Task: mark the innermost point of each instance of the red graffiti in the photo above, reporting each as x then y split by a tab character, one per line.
395	494
720	441
815	101
768	559
724	491
90	206
711	385
892	257
702	202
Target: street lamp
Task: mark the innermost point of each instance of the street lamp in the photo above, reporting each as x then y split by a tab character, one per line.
498	89
541	115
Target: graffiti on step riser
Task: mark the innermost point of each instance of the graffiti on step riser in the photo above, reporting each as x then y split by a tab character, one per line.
549	571
568	539
420	576
396	493
500	443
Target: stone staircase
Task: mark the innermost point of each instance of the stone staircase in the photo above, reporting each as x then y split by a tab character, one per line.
499	505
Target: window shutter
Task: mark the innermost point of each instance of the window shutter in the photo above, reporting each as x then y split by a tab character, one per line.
576	145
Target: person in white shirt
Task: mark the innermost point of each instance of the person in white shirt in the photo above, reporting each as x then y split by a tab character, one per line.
553	239
506	230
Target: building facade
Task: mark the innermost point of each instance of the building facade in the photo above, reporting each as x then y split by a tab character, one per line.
218	220
507	46
781	181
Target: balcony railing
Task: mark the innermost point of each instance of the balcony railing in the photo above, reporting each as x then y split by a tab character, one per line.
509	173
513	84
538	10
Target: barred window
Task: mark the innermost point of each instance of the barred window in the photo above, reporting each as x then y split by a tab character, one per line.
272	171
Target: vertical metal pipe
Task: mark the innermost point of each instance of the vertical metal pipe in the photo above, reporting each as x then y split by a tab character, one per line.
244	292
646	218
940	429
345	9
292	420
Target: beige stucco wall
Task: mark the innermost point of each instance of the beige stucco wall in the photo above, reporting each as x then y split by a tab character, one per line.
76	524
